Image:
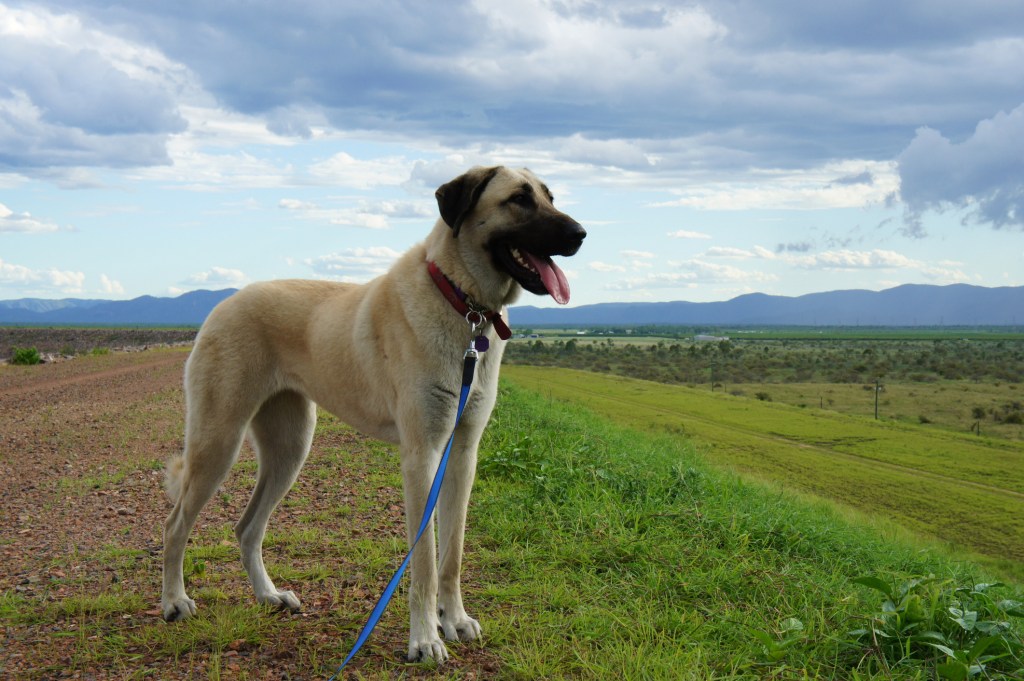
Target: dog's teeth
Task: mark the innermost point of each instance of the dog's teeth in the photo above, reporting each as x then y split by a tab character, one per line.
523	262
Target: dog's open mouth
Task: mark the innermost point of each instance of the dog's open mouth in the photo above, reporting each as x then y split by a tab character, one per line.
536	273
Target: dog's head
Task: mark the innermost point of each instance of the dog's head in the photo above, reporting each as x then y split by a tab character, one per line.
511	214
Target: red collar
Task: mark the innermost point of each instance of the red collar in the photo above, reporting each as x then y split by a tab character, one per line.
458	299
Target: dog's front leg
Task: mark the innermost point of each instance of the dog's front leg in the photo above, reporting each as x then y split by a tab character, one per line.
454	501
418	467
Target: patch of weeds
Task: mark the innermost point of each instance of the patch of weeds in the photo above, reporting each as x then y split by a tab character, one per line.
211	594
321	516
775	645
91	482
961	632
16	609
100	604
25	356
215	628
194	568
512	460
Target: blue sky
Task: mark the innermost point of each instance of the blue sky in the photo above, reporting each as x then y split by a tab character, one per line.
711	149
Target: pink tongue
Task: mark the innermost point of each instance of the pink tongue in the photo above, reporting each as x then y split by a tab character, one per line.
552	276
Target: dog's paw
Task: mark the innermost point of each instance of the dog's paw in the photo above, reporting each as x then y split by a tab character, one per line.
459	627
429	648
178	609
281	600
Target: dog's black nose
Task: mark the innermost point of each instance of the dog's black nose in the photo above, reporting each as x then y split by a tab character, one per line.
574	236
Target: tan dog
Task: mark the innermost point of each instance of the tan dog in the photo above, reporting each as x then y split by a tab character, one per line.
385	357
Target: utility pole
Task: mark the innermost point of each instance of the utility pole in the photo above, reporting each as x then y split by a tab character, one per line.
877	389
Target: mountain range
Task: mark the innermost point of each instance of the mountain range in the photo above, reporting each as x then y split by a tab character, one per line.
908	305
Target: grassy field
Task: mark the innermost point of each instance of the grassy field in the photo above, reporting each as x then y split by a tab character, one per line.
594	551
956	487
949	405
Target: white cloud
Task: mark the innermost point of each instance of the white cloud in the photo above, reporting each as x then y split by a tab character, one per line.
659	280
343	170
22	222
824	187
599	266
196	170
566	45
728	252
217	277
854	260
354	264
715	272
983	175
690	273
616	153
360	213
76	95
686	234
110	286
47	281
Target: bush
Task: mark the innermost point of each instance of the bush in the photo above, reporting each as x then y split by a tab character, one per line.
26	356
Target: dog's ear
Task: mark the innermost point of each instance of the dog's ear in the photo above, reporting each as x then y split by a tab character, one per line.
457	199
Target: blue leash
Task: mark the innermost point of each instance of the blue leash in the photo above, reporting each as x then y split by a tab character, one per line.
468	368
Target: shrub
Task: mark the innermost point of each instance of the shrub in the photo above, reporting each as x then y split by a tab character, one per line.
763	396
26	356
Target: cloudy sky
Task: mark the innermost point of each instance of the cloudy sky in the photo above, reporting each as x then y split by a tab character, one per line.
710	148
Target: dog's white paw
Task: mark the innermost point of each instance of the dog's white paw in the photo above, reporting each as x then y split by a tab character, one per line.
178	608
282	600
459	627
427	648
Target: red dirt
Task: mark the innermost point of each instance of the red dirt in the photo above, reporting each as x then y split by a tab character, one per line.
81	513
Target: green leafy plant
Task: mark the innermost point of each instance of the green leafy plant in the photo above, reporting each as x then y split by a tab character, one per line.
964	631
194	569
26	356
775	645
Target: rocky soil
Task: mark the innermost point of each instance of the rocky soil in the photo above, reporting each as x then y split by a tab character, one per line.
82	446
55	344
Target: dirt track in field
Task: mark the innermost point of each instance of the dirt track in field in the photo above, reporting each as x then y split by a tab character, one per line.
82	443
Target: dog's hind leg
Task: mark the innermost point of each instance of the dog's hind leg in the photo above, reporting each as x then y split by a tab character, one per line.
191	481
282	432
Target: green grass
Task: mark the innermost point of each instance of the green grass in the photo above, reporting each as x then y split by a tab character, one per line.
955	487
950	405
595	550
648	562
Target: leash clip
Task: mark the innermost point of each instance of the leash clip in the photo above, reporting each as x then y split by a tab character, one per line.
475	319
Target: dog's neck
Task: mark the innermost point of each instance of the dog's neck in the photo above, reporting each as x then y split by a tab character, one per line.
465	305
488	287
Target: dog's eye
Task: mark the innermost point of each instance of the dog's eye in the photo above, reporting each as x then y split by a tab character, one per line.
521	200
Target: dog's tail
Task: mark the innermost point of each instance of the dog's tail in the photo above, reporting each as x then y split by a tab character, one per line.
173	476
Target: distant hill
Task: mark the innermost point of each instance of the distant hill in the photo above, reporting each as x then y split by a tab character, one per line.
187	309
910	305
